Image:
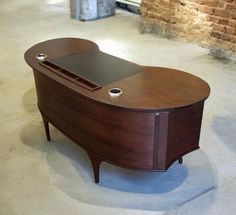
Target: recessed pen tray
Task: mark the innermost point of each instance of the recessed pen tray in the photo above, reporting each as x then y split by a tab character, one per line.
81	81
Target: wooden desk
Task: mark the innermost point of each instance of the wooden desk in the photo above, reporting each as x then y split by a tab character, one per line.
152	124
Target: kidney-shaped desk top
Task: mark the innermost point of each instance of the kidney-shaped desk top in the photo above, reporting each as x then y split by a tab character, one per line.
155	121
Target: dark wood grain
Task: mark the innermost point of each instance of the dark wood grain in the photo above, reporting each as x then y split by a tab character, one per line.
153	123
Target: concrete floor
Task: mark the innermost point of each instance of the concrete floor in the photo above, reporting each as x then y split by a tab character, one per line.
37	177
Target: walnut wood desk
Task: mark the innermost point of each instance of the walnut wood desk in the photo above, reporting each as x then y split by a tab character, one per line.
153	123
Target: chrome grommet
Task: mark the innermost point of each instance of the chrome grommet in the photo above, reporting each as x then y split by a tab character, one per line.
115	92
41	57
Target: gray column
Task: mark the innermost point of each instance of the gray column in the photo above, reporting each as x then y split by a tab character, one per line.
88	10
91	9
74	9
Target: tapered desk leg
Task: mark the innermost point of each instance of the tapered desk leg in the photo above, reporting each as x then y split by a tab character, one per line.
46	127
180	160
96	165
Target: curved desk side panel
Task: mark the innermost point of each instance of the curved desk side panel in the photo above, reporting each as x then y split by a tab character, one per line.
184	131
119	136
178	133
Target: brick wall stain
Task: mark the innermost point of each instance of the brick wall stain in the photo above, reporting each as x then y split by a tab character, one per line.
210	23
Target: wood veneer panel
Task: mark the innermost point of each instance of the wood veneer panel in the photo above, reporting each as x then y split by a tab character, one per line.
120	136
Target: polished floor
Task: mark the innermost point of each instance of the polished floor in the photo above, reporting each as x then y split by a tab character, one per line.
55	178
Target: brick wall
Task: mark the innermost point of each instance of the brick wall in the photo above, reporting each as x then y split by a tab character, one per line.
210	23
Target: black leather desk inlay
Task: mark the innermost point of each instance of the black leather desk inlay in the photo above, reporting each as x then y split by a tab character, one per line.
96	66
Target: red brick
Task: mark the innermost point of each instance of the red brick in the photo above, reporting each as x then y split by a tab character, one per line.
206	9
220	12
202	21
212	3
231	7
232	23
